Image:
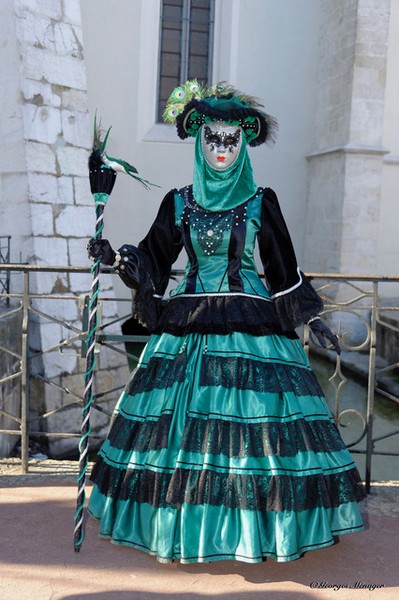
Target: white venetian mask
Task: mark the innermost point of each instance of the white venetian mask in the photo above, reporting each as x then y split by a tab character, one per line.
221	144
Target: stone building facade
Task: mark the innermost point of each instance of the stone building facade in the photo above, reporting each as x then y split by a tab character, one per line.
327	69
346	166
45	200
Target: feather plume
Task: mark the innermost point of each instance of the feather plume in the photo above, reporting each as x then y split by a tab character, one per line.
99	143
180	97
193	90
100	161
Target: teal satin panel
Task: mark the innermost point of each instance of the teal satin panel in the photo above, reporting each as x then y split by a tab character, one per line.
270	348
208	533
190	399
167	459
212	269
198	533
304	463
237	404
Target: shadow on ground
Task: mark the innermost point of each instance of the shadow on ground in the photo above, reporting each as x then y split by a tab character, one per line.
37	560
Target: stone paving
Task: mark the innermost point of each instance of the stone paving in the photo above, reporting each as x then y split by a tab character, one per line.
37	560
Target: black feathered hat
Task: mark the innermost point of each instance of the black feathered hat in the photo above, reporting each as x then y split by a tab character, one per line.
190	106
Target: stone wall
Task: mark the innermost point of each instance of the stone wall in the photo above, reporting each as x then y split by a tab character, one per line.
345	169
10	338
45	200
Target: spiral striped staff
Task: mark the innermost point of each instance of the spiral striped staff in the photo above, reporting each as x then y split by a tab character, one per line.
102	175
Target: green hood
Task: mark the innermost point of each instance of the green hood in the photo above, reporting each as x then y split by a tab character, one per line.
222	190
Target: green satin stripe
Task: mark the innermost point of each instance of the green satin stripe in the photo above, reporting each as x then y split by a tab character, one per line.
154	460
278	349
136	409
247	405
162	400
284	408
166	460
304	463
135	417
274	348
256	407
207	533
165	345
295	415
213	401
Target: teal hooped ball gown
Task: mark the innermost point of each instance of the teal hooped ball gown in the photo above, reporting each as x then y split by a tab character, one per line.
222	445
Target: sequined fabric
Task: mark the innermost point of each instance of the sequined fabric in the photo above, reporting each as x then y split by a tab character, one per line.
209	227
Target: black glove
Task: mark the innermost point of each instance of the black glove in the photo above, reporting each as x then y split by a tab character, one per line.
322	332
101	250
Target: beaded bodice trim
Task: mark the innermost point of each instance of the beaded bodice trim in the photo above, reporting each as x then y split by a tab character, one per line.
210	225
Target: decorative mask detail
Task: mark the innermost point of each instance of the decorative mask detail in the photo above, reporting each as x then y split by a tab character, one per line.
221	144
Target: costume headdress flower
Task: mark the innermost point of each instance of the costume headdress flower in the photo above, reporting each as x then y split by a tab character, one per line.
191	105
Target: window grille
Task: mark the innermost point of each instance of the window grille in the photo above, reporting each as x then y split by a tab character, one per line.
186	45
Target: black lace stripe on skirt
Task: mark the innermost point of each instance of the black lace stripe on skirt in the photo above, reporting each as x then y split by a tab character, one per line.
235	439
240	439
237	491
160	373
249	374
230	371
140	435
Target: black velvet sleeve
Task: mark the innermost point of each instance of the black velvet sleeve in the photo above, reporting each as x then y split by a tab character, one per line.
162	244
295	299
146	269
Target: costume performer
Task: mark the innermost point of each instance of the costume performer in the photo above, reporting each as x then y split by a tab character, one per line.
222	445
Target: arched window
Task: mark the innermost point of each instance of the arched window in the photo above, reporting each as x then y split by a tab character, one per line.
186	45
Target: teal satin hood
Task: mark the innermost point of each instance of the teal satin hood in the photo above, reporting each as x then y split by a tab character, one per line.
222	190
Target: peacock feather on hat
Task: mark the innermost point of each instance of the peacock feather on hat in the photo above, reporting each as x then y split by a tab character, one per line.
191	104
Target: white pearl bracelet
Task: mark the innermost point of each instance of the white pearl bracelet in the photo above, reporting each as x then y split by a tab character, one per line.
118	259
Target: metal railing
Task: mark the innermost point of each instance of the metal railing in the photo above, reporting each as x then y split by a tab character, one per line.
348	300
5	244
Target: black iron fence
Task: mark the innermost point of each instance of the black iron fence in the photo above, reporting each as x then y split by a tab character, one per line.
5	243
357	306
